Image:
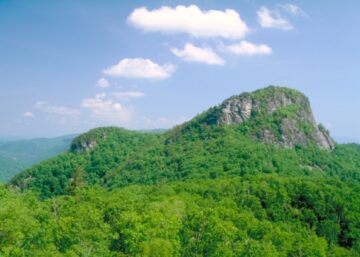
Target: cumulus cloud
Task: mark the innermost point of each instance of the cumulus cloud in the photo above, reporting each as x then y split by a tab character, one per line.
192	53
247	48
140	68
106	110
191	20
103	83
272	19
128	94
28	115
292	9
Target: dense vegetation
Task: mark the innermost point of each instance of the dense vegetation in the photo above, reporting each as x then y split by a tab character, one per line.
121	158
263	215
16	155
200	189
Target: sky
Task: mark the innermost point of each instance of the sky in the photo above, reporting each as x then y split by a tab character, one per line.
69	66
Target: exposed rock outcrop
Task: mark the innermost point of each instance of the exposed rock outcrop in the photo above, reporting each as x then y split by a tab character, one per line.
278	115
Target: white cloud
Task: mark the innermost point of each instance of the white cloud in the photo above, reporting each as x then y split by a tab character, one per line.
128	94
191	20
106	110
272	19
62	115
40	104
60	110
103	83
191	53
140	68
292	9
247	48
28	115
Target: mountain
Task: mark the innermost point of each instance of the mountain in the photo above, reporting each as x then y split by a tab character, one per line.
271	130
17	155
253	176
276	115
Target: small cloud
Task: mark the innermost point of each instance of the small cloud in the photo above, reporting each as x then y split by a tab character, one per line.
140	68
40	104
103	83
106	110
60	114
28	115
192	53
62	110
190	20
128	94
272	19
247	48
292	9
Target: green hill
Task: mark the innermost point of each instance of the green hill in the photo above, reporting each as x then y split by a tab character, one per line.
253	176
276	134
17	155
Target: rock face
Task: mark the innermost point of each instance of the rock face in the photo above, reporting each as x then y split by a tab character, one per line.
88	141
85	146
274	115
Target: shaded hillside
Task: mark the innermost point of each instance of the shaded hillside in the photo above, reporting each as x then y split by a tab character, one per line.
9	168
20	154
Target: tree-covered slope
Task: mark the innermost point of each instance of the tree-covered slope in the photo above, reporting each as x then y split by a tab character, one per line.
261	215
17	155
96	152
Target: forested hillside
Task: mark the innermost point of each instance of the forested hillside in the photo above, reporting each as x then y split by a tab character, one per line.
261	215
253	176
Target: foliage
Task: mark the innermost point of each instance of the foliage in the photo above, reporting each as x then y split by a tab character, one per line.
262	215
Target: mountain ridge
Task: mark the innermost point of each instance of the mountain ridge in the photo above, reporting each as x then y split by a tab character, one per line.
206	146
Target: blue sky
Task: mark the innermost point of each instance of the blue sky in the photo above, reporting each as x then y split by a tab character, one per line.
68	66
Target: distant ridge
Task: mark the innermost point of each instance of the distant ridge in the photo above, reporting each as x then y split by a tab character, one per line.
16	155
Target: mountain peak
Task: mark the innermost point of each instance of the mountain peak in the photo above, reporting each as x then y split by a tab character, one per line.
277	115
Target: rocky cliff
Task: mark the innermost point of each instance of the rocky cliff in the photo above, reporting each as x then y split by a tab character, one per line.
275	115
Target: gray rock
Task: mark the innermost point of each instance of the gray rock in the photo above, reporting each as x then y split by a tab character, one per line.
296	127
